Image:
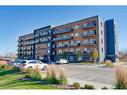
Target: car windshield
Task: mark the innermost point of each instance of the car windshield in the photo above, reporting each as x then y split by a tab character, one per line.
18	61
23	62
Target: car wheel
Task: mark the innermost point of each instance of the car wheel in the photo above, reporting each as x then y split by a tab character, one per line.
30	67
44	68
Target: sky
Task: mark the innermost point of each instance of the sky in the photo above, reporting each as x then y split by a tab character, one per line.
20	20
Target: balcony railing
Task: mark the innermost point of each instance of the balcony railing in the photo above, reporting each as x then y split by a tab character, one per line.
89	25
88	34
36	41
36	35
61	46
63	31
44	34
44	40
74	44
89	43
62	38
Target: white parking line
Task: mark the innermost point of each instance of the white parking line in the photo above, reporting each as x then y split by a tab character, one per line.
90	78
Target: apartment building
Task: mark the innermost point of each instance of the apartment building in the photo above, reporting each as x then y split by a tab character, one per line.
81	36
25	46
42	43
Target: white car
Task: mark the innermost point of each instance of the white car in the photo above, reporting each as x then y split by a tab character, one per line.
62	61
32	64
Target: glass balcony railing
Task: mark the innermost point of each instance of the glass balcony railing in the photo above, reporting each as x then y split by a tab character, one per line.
61	46
89	25
62	38
74	44
36	41
89	43
88	34
37	35
44	33
63	31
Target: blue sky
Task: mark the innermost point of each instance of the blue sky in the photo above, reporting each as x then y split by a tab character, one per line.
18	20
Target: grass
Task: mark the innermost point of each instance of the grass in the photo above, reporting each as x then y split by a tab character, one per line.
10	79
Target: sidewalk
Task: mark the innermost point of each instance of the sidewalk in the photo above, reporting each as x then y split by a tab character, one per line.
97	85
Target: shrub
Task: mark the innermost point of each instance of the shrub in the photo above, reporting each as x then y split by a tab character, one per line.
108	63
121	77
104	88
34	74
76	85
6	67
63	78
89	86
120	85
2	63
51	75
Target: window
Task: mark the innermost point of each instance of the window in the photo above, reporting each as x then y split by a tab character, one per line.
101	23
48	51
101	32
77	34
102	49
102	41
77	27
72	50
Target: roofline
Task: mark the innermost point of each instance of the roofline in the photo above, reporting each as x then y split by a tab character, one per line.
76	21
27	34
42	27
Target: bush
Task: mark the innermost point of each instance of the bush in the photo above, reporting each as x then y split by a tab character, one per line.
109	63
121	78
76	85
104	88
120	85
51	75
6	67
34	74
63	78
89	86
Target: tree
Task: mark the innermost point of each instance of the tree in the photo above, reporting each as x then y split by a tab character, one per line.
65	54
78	55
95	55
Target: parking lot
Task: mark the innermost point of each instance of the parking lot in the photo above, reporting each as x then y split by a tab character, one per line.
93	74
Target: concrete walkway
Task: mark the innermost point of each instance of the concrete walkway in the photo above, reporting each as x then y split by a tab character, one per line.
97	85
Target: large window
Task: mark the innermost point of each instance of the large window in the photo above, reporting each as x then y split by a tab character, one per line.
77	34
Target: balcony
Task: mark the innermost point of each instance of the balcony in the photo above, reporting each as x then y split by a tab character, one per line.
29	38
63	31
74	44
44	33
36	35
62	38
36	41
61	46
89	25
44	40
88	34
19	40
89	43
30	43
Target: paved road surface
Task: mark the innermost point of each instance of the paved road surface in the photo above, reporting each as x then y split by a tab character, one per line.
97	75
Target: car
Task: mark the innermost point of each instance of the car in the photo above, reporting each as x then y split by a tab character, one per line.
62	61
16	63
32	64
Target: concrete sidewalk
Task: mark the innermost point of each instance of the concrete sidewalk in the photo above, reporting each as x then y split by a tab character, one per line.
97	85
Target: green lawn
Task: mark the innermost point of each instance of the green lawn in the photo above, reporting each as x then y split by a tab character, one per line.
9	79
